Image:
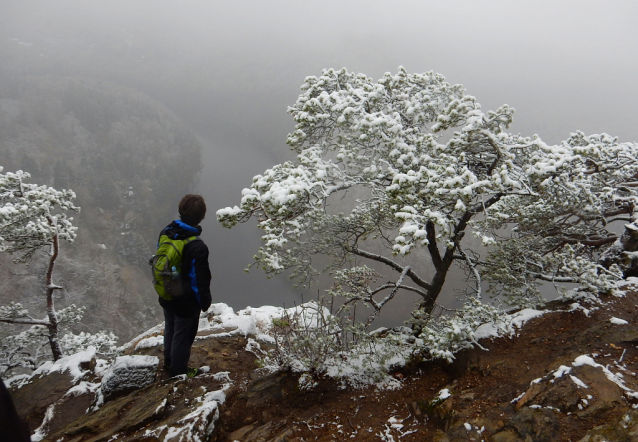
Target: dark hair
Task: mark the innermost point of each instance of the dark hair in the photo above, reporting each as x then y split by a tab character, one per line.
192	209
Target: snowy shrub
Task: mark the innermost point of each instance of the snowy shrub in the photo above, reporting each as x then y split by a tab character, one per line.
311	340
29	348
305	337
447	334
104	342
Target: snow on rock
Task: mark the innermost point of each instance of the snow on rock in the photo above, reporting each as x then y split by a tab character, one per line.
444	394
618	321
584	384
520	318
243	322
198	424
126	374
158	329
75	364
630	281
250	321
151	341
515	321
615	378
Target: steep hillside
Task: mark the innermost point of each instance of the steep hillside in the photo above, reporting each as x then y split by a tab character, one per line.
566	375
128	159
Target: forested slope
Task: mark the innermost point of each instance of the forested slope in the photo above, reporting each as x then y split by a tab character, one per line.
128	158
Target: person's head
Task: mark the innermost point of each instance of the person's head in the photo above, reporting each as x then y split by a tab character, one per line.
192	209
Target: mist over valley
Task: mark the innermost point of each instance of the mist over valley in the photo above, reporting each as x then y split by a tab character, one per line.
133	105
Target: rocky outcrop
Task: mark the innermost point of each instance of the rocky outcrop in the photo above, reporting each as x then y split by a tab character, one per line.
173	407
53	385
569	375
82	398
623	429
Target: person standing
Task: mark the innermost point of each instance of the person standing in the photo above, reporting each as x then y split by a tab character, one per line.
181	314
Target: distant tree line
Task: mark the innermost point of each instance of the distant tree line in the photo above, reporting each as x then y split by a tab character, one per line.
120	150
127	158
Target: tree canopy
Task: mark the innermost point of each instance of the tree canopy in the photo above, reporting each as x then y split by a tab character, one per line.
411	162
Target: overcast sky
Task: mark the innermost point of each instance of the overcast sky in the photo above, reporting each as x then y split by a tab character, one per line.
229	69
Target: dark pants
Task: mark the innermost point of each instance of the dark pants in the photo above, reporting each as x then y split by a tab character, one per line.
179	334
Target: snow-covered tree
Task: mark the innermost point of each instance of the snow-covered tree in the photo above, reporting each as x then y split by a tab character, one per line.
411	162
33	217
31	347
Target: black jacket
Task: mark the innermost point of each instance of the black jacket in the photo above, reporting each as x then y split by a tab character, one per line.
195	272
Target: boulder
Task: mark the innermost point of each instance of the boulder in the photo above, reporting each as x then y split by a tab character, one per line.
127	374
585	390
623	430
49	383
539	424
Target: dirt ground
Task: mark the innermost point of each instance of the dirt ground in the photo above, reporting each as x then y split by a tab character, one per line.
482	383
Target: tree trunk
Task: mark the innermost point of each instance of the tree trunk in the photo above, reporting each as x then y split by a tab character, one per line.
53	317
436	285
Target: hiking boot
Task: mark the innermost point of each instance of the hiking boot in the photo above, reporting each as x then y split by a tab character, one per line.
191	372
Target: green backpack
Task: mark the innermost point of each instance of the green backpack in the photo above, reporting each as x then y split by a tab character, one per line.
166	265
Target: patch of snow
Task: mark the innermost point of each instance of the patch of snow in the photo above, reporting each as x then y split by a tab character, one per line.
223	376
518	398
516	321
618	321
249	321
306	383
154	433
127	372
17	381
265	338
101	365
378	331
386	435
396	424
199	424
41	431
587	360
152	341
158	329
631	281
161	407
520	318
584	360
68	363
561	371
253	347
578	382
82	388
577	306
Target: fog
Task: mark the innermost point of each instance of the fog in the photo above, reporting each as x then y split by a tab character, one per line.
230	69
